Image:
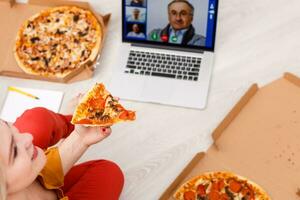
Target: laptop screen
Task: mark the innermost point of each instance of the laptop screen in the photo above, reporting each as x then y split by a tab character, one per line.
175	23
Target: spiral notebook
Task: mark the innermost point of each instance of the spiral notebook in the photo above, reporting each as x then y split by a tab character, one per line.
19	99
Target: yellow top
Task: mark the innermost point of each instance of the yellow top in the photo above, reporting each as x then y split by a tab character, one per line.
52	176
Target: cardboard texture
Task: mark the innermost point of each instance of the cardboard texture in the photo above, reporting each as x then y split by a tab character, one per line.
12	15
259	139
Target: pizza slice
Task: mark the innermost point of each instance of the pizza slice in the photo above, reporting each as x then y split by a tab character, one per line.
99	108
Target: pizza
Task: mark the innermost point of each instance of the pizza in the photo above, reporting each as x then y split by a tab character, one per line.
220	186
99	108
57	41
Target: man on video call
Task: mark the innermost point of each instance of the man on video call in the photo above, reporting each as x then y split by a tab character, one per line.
136	32
136	16
180	29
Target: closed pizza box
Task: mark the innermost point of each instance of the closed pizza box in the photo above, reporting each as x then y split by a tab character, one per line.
259	139
13	14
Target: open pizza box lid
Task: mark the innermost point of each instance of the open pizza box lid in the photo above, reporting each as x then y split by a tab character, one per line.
13	14
259	139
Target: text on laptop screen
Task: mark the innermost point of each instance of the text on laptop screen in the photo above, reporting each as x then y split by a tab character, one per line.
184	23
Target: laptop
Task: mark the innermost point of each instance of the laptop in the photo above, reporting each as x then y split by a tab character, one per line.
167	52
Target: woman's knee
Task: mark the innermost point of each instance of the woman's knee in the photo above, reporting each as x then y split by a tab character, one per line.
37	122
112	170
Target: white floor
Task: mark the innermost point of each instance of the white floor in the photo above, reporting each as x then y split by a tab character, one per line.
257	41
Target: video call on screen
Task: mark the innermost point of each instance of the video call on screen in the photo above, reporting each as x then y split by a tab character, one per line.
181	22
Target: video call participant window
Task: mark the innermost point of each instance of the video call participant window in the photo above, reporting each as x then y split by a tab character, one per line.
138	3
179	22
135	31
135	14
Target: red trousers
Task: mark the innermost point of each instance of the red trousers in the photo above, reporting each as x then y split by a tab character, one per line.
93	180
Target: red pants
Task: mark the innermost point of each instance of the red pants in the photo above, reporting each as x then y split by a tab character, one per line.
93	180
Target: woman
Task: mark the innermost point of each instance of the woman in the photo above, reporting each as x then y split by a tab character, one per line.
26	172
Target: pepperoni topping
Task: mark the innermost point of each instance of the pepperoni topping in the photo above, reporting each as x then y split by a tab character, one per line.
218	186
97	102
221	184
215	186
214	195
235	186
189	195
201	190
224	197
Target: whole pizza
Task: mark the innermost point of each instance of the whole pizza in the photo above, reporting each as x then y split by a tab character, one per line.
57	41
220	186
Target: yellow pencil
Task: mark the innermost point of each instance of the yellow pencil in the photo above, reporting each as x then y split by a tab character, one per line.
10	88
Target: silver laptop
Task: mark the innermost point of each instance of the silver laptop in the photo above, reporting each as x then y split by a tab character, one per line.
167	51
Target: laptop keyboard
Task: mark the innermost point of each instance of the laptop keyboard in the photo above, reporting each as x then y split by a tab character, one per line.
163	65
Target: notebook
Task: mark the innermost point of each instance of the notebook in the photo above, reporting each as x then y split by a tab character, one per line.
19	99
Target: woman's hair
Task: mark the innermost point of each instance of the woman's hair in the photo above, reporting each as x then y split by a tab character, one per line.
2	182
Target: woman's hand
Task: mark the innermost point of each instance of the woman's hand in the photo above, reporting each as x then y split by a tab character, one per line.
89	135
92	135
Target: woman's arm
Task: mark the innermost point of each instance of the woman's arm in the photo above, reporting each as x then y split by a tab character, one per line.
72	148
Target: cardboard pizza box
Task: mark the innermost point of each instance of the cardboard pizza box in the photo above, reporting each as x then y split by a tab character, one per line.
13	14
259	139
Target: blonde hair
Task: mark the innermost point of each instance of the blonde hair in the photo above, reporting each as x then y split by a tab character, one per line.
2	182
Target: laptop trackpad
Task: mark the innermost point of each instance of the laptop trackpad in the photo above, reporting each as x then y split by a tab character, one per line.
157	90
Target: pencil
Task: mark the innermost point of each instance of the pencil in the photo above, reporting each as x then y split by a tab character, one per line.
10	88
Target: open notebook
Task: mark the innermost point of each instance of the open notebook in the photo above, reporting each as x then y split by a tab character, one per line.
19	99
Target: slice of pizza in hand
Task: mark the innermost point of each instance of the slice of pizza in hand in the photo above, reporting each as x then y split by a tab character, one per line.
99	108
